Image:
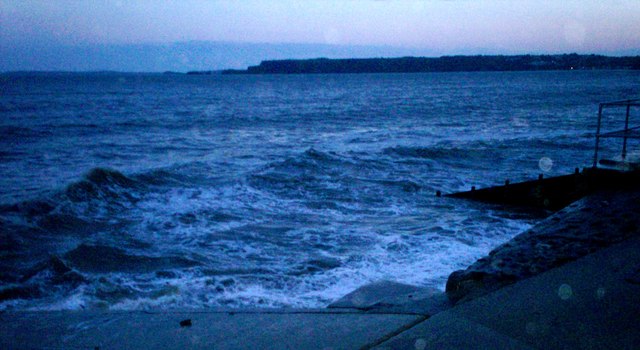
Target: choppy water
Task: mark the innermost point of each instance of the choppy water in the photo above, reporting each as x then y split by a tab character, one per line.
136	191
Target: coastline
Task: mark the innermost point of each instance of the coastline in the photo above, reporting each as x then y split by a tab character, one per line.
502	300
440	64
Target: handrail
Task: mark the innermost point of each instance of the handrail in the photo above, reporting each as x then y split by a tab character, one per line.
632	133
632	102
625	133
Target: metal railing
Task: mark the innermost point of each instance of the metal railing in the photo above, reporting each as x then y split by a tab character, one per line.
625	134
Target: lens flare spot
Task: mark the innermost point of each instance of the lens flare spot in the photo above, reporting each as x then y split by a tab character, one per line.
545	164
565	292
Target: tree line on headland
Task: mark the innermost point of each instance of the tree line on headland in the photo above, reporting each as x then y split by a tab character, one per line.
441	64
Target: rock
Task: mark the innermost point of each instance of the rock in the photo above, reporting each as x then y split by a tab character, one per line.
371	294
317	265
470	284
394	297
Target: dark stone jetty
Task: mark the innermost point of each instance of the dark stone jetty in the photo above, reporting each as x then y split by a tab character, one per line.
553	193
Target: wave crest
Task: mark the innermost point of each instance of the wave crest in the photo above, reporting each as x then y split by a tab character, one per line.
101	183
105	259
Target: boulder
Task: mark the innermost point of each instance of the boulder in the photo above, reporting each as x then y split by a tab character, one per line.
389	296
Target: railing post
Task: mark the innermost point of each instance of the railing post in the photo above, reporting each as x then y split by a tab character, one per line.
626	130
595	155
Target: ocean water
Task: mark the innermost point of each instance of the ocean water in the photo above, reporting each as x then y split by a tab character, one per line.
136	191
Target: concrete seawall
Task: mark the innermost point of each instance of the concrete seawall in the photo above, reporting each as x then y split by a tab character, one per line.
592	223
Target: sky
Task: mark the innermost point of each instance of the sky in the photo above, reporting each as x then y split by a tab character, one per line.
30	28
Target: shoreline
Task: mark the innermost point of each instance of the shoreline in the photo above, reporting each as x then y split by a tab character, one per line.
393	315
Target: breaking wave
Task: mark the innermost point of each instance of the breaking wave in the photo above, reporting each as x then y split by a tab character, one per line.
294	232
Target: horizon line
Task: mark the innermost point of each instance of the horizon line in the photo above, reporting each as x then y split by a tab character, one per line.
220	70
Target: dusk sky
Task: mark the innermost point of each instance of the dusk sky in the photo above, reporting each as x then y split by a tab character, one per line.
420	27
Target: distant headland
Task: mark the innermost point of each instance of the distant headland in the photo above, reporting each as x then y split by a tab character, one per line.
441	64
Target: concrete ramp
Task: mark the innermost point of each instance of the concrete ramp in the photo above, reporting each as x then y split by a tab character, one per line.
261	329
591	303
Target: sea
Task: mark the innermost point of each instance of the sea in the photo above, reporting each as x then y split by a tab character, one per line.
170	191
